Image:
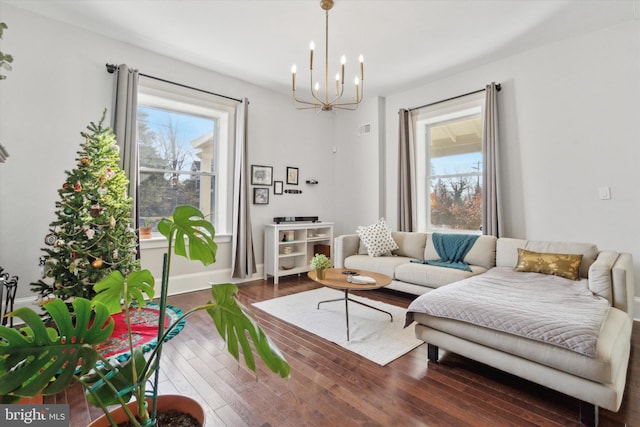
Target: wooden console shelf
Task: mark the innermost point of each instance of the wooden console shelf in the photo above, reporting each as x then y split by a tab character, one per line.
288	248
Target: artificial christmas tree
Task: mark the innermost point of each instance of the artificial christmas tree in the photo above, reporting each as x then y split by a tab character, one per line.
92	235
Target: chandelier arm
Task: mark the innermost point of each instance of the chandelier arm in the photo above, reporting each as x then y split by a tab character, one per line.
313	95
301	101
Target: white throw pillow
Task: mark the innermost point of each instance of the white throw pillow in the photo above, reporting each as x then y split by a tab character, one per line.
377	238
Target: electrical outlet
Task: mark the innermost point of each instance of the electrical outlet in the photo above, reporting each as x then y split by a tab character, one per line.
605	193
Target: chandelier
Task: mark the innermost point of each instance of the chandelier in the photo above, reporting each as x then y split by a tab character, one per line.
318	102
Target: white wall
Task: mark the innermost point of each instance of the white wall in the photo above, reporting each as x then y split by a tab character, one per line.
59	84
568	111
569	116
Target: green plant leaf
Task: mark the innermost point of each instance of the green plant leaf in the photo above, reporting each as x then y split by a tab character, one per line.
188	223
233	320
114	288
42	357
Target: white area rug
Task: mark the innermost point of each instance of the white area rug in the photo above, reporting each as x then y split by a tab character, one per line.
372	333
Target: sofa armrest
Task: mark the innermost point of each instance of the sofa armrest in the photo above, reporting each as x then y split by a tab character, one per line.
344	246
611	277
623	284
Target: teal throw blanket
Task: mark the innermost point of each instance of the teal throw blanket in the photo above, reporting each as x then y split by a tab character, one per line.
451	248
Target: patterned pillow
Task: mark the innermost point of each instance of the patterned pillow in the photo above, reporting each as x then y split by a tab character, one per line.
377	238
563	265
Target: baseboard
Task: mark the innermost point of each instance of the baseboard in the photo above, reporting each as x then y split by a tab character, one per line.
178	285
636	309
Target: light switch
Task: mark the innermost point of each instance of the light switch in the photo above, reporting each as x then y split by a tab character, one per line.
605	193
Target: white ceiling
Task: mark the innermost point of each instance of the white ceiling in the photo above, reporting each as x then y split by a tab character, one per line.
404	42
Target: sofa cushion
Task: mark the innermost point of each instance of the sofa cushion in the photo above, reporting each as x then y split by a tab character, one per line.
377	238
410	244
384	264
433	276
507	251
482	253
563	265
589	251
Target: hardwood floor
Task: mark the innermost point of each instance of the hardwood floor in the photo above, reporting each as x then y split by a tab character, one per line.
330	386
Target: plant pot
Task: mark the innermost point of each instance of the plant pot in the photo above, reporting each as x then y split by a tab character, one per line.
321	273
145	232
165	403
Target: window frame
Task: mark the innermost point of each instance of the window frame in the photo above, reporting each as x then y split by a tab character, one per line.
438	114
164	95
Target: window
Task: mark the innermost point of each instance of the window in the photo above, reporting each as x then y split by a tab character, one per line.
184	153
449	166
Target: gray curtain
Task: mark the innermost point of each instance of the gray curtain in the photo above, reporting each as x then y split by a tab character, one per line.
243	263
491	203
406	173
125	128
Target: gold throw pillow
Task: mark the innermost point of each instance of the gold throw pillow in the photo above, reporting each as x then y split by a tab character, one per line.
563	265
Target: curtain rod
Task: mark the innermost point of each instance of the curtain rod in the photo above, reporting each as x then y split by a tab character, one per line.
498	88
111	68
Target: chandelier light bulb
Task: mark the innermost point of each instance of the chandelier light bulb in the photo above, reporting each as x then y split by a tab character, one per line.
343	59
293	77
356	80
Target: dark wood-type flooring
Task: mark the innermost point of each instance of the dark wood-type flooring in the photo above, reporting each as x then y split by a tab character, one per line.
330	386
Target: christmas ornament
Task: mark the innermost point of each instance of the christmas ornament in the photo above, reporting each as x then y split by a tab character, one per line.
102	191
115	147
65	185
89	232
112	222
50	239
85	161
77	187
115	254
68	211
97	263
95	210
59	243
109	172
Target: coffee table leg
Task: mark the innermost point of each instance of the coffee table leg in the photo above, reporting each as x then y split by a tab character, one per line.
346	309
370	306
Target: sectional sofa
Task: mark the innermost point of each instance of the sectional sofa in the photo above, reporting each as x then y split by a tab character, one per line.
569	335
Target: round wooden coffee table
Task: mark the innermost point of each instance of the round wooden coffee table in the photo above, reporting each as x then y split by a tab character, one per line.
337	279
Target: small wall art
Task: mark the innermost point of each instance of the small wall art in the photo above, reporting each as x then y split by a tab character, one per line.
261	175
292	175
277	187
260	196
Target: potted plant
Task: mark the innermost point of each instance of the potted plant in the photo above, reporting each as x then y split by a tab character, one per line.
49	358
320	263
145	230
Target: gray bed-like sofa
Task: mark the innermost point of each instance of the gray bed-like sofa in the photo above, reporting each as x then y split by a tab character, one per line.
606	277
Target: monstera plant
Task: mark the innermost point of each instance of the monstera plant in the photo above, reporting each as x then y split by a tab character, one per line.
49	356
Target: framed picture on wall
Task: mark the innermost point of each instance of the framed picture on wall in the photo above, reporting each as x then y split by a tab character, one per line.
260	196
277	187
292	175
261	175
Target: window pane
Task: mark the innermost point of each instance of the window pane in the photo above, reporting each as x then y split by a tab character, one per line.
455	180
160	193
183	144
174	140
